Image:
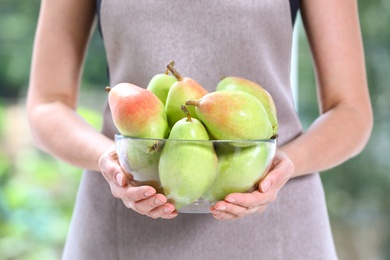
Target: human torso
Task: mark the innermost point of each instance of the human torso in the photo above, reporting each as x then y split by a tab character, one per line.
207	40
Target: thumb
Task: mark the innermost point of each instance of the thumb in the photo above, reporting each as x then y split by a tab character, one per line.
111	169
281	170
120	179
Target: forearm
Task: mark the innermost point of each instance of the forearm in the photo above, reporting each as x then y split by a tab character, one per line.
60	131
337	135
61	41
344	126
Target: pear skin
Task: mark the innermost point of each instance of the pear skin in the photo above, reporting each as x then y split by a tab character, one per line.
143	166
188	164
140	166
181	91
137	112
256	90
160	85
233	115
239	168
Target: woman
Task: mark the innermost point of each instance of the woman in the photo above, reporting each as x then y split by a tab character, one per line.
286	217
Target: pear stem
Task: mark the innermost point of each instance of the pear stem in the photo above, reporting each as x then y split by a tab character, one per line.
185	110
192	103
172	63
174	71
107	89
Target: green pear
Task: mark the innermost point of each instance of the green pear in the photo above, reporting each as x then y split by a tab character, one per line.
233	115
188	163
239	168
141	165
256	90
160	84
181	91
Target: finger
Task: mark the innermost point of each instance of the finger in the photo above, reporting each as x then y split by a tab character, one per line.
235	210
219	212
166	211
223	215
232	212
282	170
110	168
139	193
249	200
147	205
275	178
131	195
115	174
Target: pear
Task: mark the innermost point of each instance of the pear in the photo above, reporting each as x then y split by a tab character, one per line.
142	166
160	84
239	168
188	163
233	115
137	112
256	90
181	91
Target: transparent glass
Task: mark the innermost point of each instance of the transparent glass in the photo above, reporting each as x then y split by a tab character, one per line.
194	174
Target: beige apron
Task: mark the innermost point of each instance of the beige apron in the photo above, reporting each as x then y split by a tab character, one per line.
207	40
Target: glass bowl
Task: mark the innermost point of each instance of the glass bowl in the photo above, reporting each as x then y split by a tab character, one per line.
195	174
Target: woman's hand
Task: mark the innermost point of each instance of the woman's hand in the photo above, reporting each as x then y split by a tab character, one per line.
237	205
143	199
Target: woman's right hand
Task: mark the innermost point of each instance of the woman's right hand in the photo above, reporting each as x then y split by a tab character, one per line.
143	199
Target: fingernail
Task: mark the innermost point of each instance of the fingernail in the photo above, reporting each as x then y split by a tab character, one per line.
230	199
148	193
158	201
119	179
167	210
221	208
265	185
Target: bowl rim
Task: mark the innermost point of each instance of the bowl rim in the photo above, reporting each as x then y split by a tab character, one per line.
120	137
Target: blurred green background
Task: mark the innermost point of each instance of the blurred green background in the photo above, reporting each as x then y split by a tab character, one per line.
37	192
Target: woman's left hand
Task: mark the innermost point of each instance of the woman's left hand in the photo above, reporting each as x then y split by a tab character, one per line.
238	205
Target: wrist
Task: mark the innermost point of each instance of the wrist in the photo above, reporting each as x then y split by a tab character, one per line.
107	153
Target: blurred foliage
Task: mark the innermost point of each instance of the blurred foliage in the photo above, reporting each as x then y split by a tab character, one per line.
37	192
36	200
17	27
18	24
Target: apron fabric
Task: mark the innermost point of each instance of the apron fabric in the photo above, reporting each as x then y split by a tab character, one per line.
207	40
